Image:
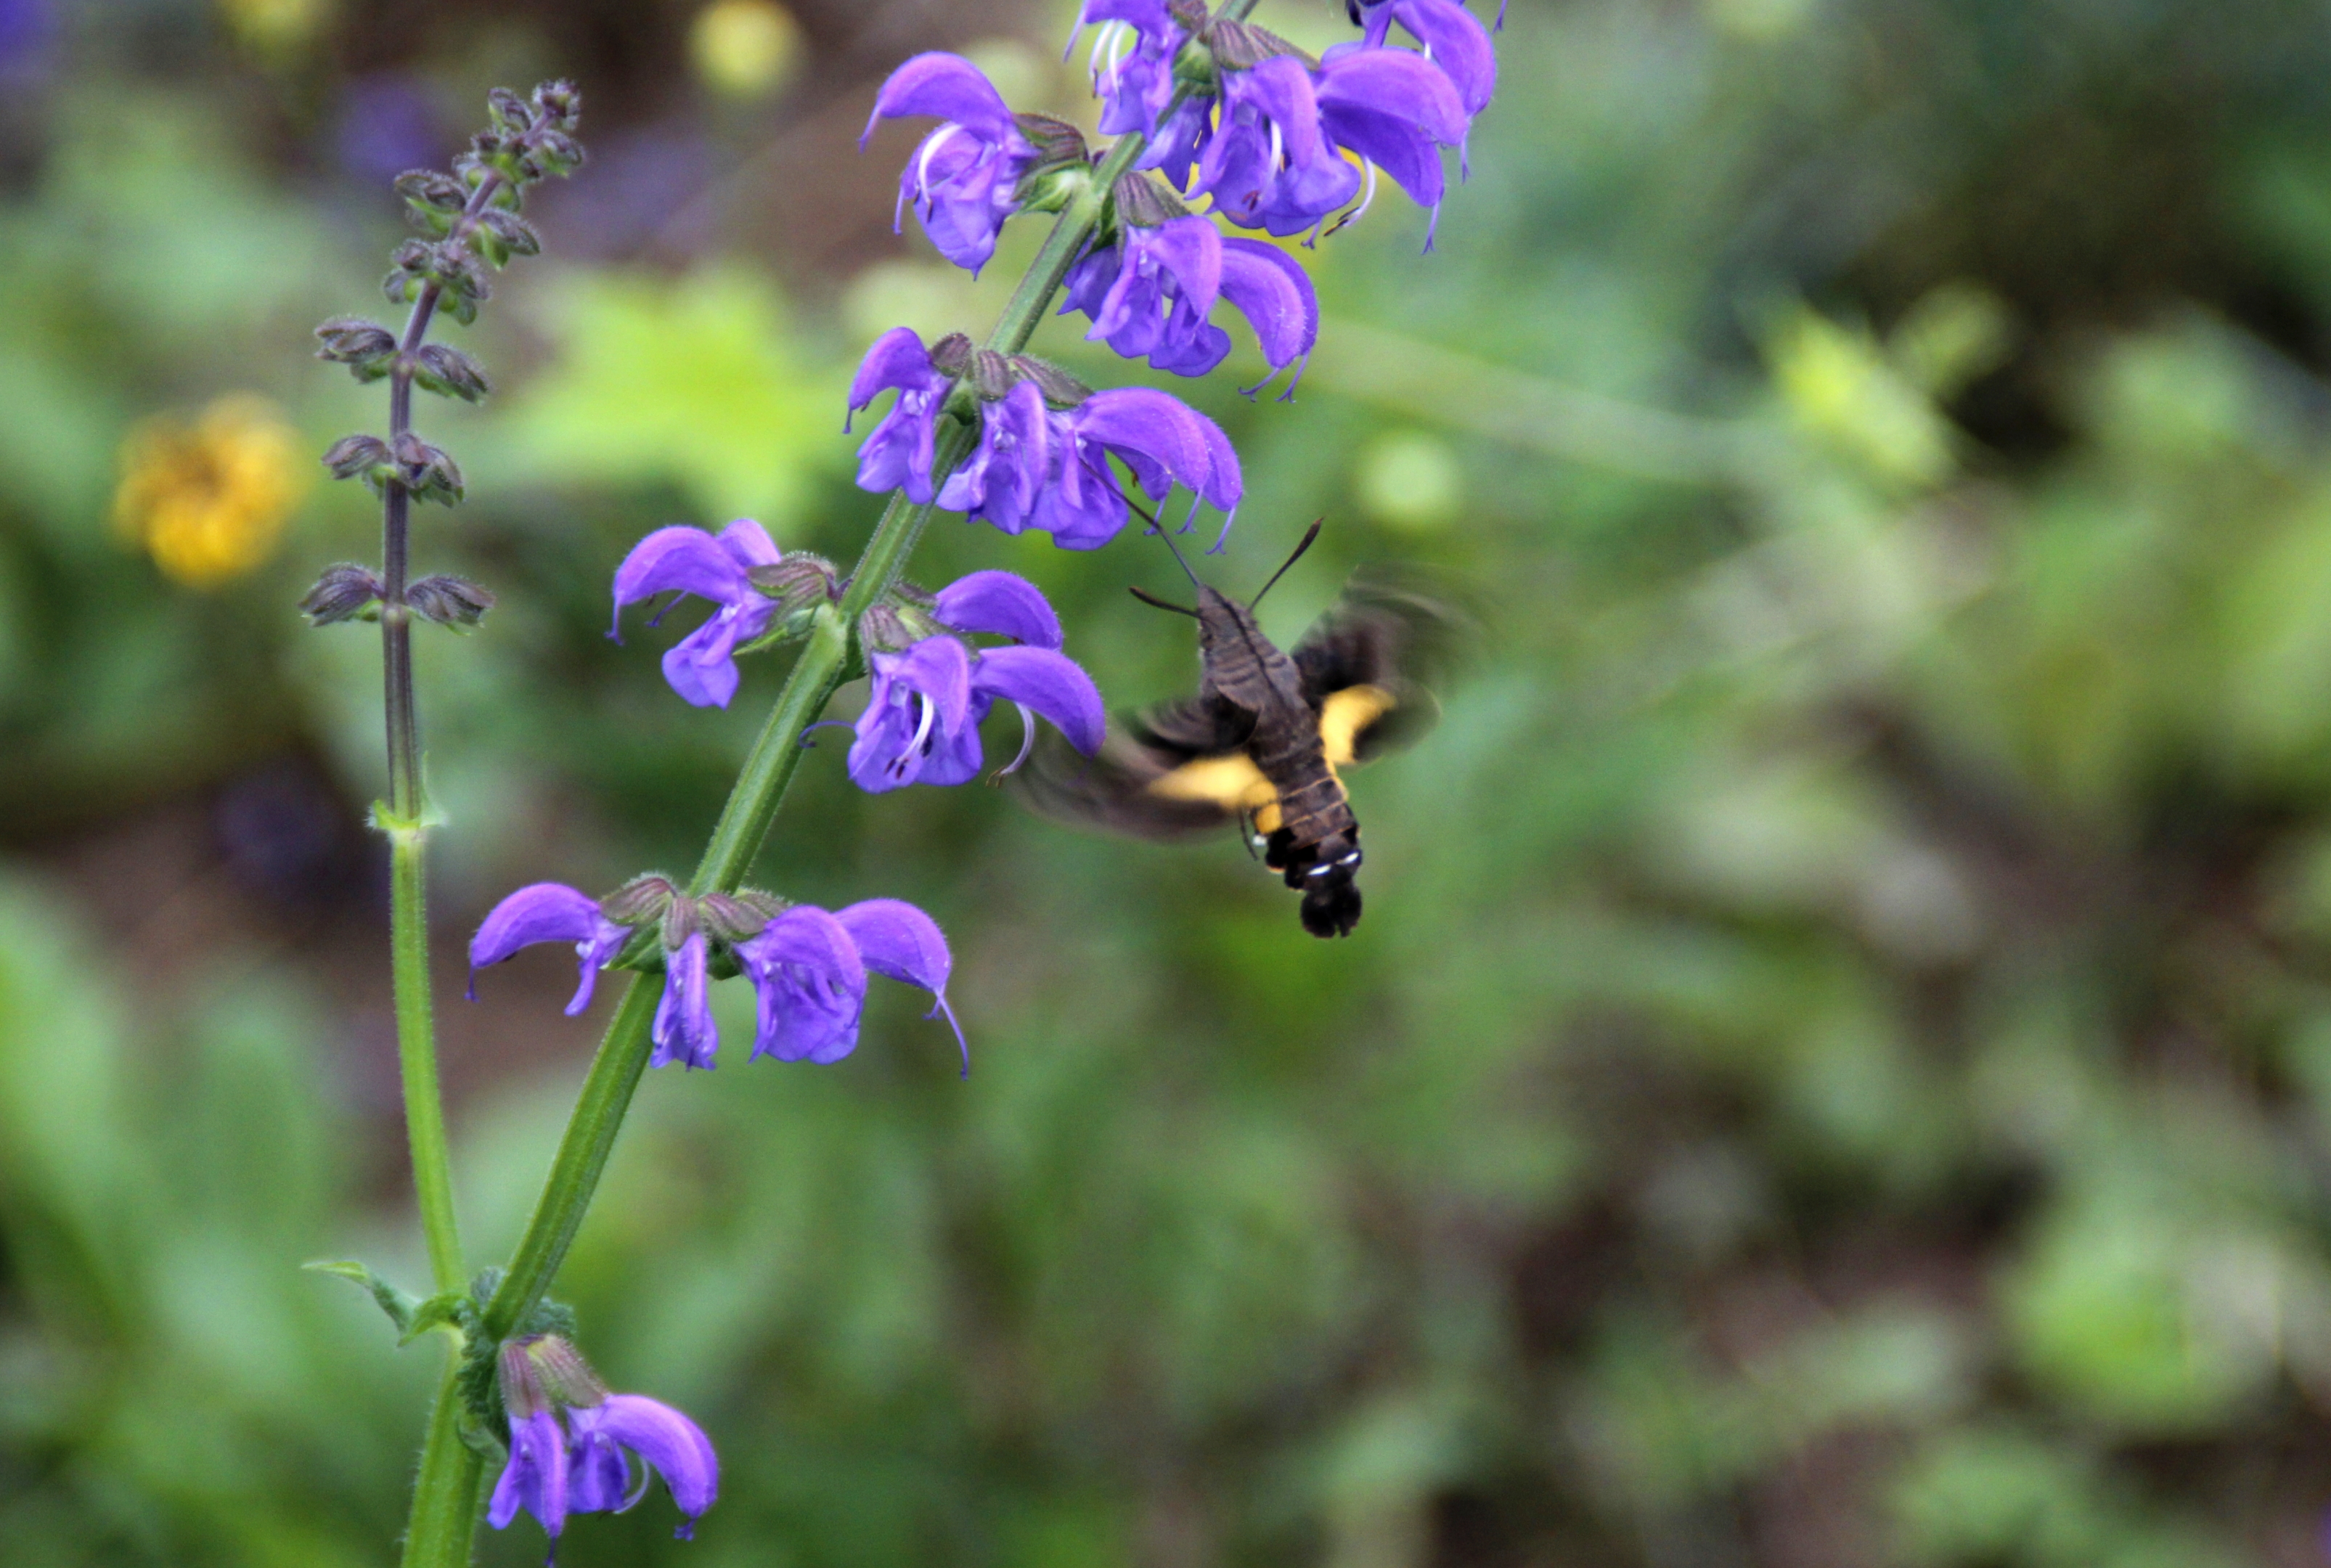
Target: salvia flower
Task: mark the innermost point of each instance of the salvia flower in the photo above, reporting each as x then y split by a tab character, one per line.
802	1016
1453	39
583	1463
964	179
921	721
1149	292
701	667
809	968
1395	110
548	912
1045	441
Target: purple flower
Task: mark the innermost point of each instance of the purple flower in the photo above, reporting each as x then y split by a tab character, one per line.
1265	163
548	912
607	1437
1162	441
809	967
899	453
1453	39
1395	110
964	178
921	722
684	1031
1148	296
1132	64
585	1467
536	1477
1044	468
1003	477
701	666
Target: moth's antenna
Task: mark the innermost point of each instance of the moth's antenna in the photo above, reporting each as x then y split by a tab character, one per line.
1159	529
1151	599
1311	534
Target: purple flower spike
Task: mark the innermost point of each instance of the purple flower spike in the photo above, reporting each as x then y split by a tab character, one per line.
899	452
535	1477
812	986
899	941
701	666
609	1435
548	912
1453	39
684	1030
963	180
1002	604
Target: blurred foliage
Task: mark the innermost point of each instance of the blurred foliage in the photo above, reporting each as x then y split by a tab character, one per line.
1837	1067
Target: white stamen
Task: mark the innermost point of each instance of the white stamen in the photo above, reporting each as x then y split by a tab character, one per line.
931	145
914	750
1027	740
1368	197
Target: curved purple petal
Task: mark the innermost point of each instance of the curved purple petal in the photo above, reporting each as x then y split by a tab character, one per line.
675	1446
750	544
1270	289
1003	603
1007	470
1281	90
1149	423
535	1476
944	87
684	1030
896	360
810	983
1395	82
899	941
548	912
687	559
1050	683
940	669
1455	40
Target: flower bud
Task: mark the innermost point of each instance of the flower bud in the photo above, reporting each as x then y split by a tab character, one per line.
508	234
560	105
990	374
728	917
440	368
1142	203
343	593
510	112
523	1394
365	348
427	471
678	923
951	355
565	1375
448	602
354	455
1060	389
764	906
797	581
639	901
1242	46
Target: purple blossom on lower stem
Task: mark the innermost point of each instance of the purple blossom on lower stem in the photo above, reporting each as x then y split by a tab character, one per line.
548	912
585	1465
963	180
809	967
684	1030
1149	293
701	666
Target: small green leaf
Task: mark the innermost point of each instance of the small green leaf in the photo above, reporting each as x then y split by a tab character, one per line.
399	1305
449	1309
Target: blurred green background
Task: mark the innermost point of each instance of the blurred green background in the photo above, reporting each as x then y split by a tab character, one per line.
1837	1067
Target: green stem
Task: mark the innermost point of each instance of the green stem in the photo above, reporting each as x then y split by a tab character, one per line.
445	1493
416	1055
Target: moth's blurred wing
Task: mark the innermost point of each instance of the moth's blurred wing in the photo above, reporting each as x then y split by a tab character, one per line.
1369	663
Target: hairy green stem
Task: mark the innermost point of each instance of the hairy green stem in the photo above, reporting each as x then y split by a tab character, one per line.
446	1491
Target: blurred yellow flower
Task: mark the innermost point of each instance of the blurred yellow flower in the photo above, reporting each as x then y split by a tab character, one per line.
743	48
209	501
275	27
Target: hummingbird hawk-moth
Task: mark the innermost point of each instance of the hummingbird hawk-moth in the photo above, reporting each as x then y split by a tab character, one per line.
1263	743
